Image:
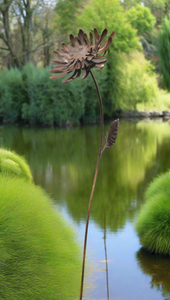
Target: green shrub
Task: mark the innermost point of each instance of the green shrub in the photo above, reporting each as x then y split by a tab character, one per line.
38	107
29	95
153	222
39	258
49	101
12	164
131	81
11	95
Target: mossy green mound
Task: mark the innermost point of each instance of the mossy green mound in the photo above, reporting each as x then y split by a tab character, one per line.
153	222
39	258
159	185
12	164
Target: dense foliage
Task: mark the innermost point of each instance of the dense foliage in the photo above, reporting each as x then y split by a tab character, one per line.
110	15
131	81
141	19
29	95
164	51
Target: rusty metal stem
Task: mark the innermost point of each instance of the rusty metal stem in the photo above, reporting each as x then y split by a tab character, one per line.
93	186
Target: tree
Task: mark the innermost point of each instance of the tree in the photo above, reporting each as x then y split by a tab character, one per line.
25	30
164	51
66	13
159	8
5	31
141	19
109	14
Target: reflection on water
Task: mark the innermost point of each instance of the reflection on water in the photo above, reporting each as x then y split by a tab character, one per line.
158	268
105	250
63	162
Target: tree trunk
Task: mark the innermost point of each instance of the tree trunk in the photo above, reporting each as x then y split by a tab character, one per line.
6	37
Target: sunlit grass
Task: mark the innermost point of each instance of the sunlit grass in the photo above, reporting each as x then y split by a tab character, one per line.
39	257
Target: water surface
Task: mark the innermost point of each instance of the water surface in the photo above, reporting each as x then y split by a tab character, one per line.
63	162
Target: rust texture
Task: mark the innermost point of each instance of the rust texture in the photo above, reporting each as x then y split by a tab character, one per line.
81	54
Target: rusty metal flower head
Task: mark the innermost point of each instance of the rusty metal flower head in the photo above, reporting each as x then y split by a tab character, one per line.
81	54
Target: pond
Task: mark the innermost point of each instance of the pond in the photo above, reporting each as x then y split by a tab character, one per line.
63	161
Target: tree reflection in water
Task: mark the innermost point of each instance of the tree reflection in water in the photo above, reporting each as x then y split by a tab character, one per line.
158	268
105	250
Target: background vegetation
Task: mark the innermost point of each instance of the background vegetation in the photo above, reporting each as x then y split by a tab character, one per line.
134	77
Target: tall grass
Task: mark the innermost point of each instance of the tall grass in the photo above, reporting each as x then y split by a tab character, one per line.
153	222
39	257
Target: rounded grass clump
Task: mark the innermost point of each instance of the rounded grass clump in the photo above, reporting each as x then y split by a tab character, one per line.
159	185
39	258
153	222
12	164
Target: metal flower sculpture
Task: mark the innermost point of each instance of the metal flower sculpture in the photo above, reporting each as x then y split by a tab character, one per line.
82	54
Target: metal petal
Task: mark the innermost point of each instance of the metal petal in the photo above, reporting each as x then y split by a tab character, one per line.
96	34
77	41
77	74
58	62
112	35
103	56
80	35
99	61
58	76
70	78
99	67
87	63
91	39
65	47
103	35
86	41
105	45
90	57
56	71
58	54
77	65
86	73
71	66
71	37
72	40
